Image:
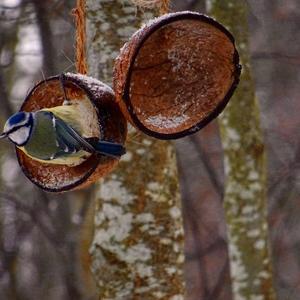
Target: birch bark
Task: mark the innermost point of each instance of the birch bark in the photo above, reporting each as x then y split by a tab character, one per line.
137	250
245	190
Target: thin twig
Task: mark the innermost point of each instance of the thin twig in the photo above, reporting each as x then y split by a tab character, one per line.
213	177
34	217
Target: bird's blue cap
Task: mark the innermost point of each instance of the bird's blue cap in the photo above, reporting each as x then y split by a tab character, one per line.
15	121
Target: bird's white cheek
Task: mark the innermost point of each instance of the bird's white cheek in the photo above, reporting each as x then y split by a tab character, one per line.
20	136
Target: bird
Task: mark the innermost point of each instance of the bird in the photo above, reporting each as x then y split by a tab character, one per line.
54	136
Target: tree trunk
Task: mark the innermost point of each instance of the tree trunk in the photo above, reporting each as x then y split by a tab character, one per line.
245	191
137	251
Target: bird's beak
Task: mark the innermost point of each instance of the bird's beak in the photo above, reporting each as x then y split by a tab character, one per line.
3	135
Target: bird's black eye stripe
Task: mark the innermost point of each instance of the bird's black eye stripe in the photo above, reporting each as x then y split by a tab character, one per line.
30	120
14	129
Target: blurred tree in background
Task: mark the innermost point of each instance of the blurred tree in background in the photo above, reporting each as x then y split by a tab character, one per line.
42	244
245	200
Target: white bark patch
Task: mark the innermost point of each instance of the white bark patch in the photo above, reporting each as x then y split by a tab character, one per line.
159	295
165	241
260	244
253	175
147	142
144	271
253	233
257	297
248	209
127	157
147	3
138	252
180	258
118	225
175	212
171	270
113	190
156	192
238	269
141	151
177	297
145	218
153	186
264	274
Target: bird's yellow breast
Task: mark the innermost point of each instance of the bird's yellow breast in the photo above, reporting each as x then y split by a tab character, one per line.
71	160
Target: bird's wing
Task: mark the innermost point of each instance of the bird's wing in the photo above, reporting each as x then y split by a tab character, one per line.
68	139
67	113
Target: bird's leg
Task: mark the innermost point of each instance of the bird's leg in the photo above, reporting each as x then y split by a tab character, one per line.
61	80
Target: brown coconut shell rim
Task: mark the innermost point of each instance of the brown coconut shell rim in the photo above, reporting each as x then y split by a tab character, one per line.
160	22
73	185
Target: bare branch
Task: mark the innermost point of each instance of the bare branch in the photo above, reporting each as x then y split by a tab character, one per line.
49	234
276	55
46	37
5	106
213	177
220	283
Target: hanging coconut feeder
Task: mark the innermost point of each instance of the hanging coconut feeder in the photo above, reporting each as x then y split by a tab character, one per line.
103	119
176	74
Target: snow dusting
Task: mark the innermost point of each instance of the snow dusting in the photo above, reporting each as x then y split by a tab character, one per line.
166	122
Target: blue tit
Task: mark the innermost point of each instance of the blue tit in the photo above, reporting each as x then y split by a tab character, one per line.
55	136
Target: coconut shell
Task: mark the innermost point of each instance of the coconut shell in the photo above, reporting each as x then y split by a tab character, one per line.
110	125
176	74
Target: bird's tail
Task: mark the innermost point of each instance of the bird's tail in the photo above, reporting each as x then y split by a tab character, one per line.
109	148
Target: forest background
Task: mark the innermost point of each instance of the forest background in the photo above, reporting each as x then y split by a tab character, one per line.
44	238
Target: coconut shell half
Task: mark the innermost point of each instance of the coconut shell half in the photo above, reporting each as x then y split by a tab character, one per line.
176	74
102	115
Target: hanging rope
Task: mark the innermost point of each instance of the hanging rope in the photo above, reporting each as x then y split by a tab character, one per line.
163	5
79	14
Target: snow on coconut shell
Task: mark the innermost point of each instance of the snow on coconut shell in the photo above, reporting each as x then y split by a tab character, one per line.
98	106
176	74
